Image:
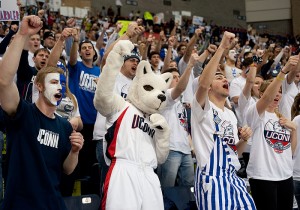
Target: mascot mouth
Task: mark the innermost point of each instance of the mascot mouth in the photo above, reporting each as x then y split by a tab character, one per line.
159	106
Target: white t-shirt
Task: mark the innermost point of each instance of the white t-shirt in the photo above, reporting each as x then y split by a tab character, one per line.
188	93
232	72
271	154
176	116
203	128
289	91
121	87
235	89
296	157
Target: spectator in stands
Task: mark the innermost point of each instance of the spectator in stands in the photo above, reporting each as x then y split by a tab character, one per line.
45	146
49	40
81	81
270	168
215	137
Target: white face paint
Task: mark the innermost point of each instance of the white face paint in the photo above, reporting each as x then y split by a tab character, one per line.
232	55
52	88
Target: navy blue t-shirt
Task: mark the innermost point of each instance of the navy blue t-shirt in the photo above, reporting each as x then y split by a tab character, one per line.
36	149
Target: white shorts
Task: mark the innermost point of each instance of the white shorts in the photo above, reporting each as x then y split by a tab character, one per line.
131	186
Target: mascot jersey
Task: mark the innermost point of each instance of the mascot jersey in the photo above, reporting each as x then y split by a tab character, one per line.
36	149
82	85
131	175
126	137
271	153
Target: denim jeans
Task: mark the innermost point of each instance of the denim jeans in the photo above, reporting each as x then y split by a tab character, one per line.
297	191
102	164
178	165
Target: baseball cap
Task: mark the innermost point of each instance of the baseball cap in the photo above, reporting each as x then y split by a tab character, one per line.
48	34
134	54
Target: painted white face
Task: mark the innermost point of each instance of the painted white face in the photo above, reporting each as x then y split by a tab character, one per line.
53	88
232	55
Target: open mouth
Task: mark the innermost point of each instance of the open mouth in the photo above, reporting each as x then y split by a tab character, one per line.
225	86
58	95
43	63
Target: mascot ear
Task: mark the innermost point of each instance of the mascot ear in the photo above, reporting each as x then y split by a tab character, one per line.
168	78
144	67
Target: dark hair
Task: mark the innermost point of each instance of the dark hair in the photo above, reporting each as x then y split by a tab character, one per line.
295	107
153	53
170	70
41	50
88	41
247	62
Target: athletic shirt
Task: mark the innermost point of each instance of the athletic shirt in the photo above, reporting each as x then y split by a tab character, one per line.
82	85
271	154
36	149
236	88
176	116
296	157
130	137
232	72
204	128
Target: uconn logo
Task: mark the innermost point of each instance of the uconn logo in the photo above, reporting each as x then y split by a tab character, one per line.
139	122
277	136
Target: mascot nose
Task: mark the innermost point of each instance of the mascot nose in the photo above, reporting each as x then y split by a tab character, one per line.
161	97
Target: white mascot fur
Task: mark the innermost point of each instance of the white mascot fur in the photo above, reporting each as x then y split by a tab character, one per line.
137	136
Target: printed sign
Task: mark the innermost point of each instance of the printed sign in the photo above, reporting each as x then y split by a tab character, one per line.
9	10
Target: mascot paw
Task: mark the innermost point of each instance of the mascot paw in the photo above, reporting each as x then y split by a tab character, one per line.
123	47
158	122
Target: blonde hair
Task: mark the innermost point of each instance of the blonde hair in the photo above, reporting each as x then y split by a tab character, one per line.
41	75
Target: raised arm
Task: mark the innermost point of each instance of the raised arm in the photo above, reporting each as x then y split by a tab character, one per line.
270	93
132	32
59	46
211	68
168	56
291	75
9	95
74	48
191	44
184	79
250	80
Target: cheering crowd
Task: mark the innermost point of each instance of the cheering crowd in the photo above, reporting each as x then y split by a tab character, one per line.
232	108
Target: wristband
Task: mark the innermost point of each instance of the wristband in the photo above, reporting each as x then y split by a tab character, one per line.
253	65
75	41
280	78
283	72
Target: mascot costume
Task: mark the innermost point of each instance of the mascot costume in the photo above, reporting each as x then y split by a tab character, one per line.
137	136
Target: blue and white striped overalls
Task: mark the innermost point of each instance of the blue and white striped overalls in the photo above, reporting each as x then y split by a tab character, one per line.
217	186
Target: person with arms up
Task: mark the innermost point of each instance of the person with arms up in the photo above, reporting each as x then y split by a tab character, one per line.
215	137
270	167
40	145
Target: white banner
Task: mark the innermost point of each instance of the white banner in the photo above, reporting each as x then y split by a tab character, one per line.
9	10
54	5
67	11
158	18
197	20
178	19
186	13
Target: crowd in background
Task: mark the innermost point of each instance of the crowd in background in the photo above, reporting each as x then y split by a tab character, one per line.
74	44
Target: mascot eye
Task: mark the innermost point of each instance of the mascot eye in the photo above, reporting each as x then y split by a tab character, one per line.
148	87
163	92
